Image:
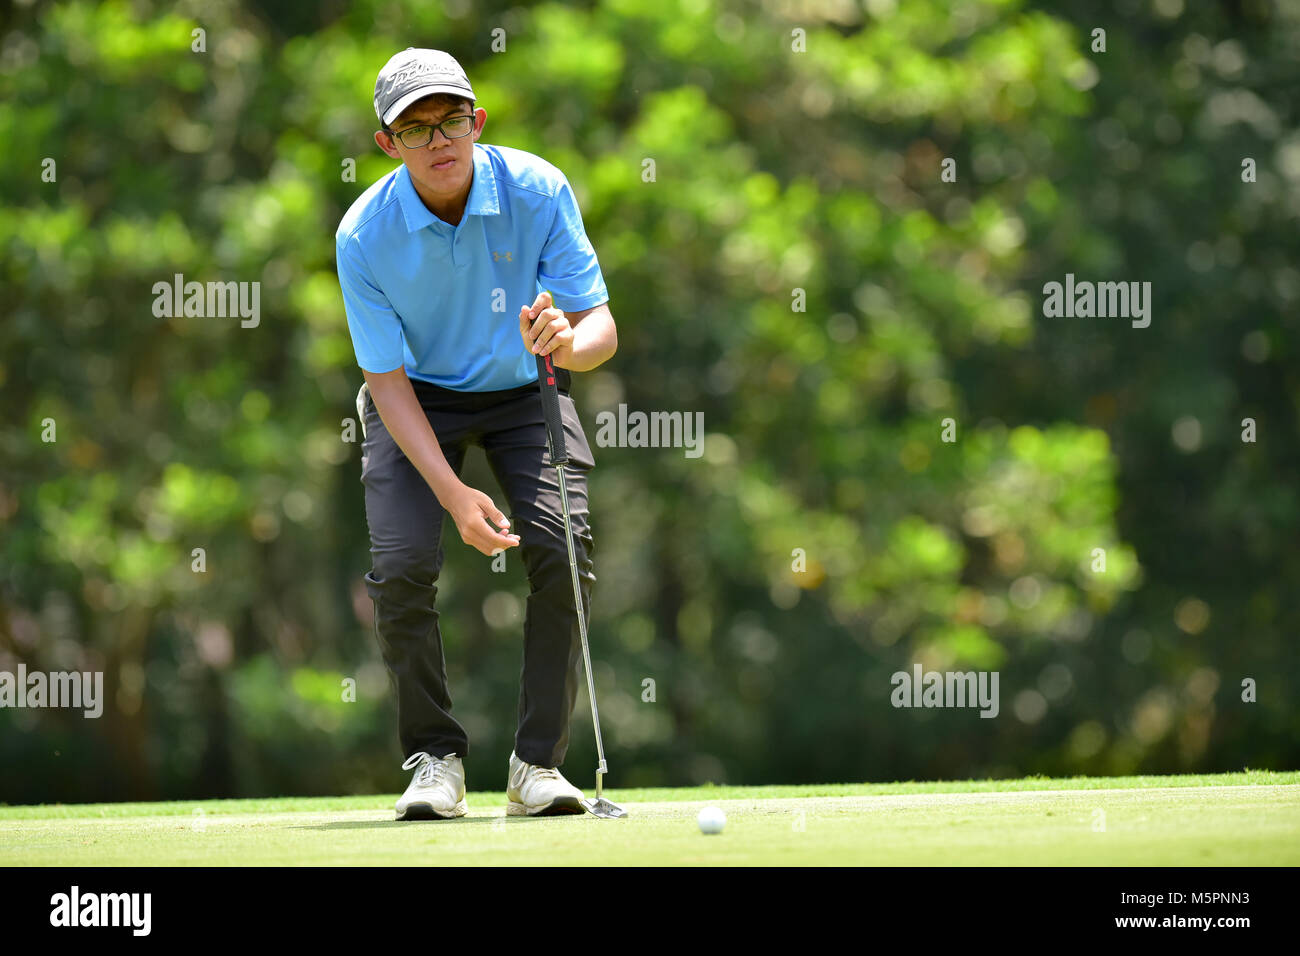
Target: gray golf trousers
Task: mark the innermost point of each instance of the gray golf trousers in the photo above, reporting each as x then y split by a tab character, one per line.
406	522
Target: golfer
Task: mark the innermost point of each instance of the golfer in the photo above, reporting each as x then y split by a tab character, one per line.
458	268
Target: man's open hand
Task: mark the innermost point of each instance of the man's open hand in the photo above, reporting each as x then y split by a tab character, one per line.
478	520
546	330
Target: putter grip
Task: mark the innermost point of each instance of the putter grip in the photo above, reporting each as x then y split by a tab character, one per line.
551	410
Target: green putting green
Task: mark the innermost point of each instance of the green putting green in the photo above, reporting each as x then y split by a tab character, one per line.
1247	819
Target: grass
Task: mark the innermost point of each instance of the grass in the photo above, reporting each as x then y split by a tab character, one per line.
1250	818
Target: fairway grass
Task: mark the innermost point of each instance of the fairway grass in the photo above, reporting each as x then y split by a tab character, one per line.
1242	819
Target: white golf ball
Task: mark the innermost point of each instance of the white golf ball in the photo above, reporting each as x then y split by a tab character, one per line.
712	820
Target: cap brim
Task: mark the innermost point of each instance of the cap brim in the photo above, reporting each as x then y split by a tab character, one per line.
395	110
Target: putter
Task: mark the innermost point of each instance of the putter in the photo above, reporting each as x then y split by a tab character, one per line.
559	458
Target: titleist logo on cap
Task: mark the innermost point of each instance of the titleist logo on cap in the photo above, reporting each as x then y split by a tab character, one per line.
416	73
415	69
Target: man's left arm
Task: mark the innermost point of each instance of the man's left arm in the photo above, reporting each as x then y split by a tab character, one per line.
578	341
575	327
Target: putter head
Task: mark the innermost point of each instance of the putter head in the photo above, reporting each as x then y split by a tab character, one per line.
600	807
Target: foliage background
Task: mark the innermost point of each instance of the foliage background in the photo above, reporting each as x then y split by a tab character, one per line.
776	171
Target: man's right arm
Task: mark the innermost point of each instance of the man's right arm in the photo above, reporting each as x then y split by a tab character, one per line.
480	523
377	338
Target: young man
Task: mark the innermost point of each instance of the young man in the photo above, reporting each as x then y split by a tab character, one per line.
432	259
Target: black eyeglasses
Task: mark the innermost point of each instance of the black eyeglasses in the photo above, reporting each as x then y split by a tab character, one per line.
453	128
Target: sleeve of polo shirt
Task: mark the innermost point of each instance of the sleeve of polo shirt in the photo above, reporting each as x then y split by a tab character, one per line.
568	264
375	328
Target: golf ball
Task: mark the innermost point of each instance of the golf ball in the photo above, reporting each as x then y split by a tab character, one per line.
712	820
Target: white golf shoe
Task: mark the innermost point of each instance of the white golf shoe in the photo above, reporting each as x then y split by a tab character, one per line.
539	791
437	791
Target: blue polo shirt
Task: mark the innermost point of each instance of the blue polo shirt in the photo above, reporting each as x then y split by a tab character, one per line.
443	301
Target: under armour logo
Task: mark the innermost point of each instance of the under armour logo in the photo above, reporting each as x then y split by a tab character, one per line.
498	256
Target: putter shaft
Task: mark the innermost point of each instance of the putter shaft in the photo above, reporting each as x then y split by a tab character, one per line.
582	629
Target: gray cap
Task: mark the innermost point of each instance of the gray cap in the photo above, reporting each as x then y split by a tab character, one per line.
414	74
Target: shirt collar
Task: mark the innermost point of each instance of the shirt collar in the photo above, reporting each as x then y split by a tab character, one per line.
482	200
